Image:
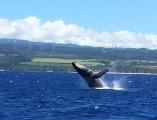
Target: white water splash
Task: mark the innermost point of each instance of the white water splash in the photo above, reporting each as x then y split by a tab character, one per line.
105	86
117	85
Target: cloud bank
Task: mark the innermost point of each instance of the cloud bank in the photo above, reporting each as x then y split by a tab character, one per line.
32	28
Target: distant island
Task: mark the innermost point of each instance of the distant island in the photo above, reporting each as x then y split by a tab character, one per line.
24	55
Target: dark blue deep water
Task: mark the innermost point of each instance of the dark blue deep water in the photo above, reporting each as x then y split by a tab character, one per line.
65	96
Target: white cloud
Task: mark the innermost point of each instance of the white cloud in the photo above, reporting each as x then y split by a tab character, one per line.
31	28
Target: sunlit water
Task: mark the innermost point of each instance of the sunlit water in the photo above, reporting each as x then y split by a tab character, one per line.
65	96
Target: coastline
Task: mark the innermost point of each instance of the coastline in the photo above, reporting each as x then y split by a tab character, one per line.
129	73
132	73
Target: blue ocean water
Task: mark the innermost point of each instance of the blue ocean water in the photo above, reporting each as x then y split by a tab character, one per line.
65	96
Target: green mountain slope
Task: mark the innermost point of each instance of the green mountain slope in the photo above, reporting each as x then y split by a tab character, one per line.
37	56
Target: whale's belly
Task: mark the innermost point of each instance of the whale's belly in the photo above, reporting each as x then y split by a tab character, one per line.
95	83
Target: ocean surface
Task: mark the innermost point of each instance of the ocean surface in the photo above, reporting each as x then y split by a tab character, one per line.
65	96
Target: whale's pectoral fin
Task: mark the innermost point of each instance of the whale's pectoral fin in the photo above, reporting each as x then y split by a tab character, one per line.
100	74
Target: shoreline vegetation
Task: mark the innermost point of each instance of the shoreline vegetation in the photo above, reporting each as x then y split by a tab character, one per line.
23	55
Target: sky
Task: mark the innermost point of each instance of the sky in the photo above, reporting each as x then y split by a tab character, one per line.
102	23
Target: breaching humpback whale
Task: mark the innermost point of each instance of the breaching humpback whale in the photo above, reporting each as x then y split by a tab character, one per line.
92	78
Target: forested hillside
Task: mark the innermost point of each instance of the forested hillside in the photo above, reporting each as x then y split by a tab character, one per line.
37	56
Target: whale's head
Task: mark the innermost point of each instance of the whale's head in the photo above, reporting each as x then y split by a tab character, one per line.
82	70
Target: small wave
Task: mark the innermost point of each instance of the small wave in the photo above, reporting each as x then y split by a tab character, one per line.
102	88
110	88
10	81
